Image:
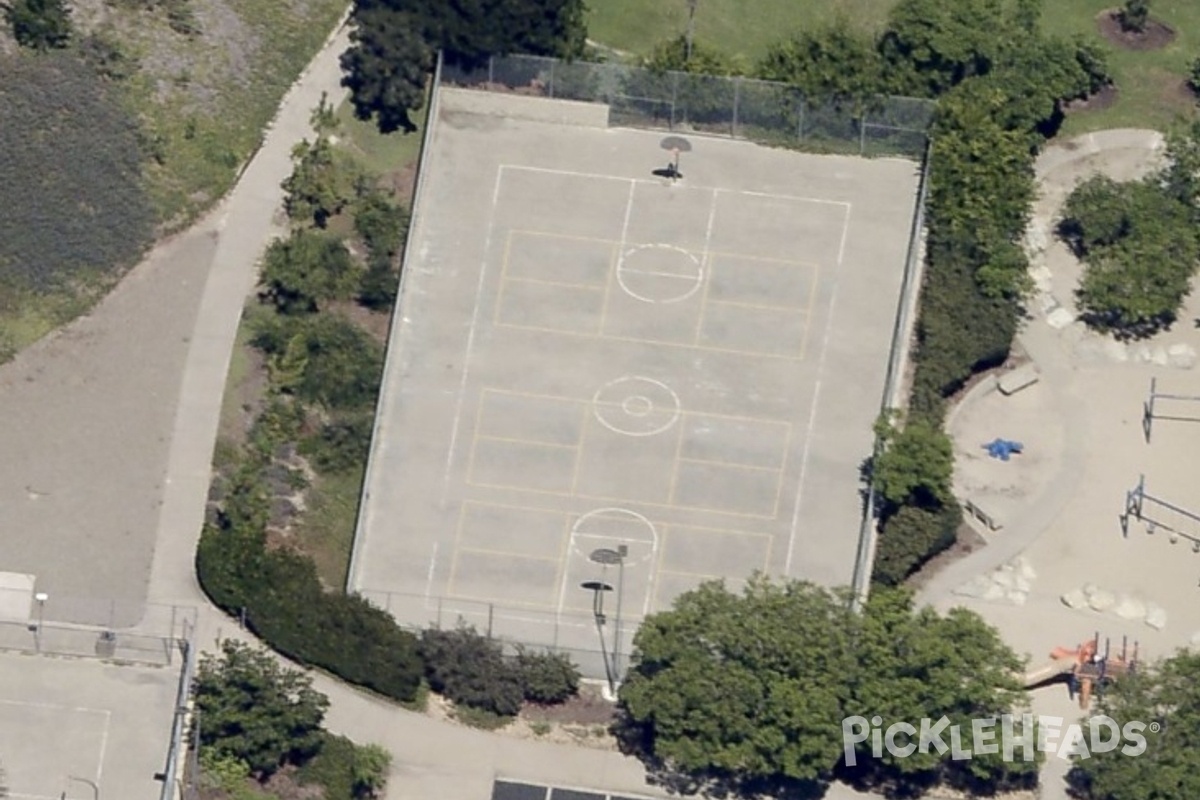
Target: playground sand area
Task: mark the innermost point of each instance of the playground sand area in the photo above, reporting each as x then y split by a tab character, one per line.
1060	542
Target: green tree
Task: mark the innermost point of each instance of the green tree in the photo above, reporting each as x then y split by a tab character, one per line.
913	664
382	226
915	463
1166	694
306	269
386	67
1181	178
931	46
39	24
318	187
1194	76
1134	15
1140	246
754	688
342	364
836	62
750	686
252	709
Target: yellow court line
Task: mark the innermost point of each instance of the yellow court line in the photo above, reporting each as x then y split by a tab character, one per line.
675	463
614	263
462	515
658	342
514	507
768	259
499	304
531	442
787	451
553	235
589	287
683	412
757	306
716	462
609	499
482	551
583	425
673	527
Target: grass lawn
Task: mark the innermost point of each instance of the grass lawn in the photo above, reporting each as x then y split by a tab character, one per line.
380	154
1149	82
742	28
326	531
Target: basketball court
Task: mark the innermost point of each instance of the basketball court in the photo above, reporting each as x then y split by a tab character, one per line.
606	386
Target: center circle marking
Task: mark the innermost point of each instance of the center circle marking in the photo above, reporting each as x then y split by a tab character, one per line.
634	405
591	531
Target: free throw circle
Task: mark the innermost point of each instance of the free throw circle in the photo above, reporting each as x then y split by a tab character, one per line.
611	528
659	273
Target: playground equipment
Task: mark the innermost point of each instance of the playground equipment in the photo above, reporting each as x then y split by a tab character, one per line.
1149	411
1086	670
1003	448
1158	514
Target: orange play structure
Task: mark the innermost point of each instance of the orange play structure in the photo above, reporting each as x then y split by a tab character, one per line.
1085	668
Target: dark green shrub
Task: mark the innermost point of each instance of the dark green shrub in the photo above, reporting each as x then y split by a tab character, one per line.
327	359
1194	76
547	678
39	24
470	669
306	269
911	537
1134	15
341	444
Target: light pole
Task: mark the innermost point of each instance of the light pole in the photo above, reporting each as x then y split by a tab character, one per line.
606	556
41	598
691	28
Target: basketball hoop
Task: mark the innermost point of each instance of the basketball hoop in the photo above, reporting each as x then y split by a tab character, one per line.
675	145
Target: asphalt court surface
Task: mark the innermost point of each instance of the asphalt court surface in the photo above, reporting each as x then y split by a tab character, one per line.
513	790
590	358
66	724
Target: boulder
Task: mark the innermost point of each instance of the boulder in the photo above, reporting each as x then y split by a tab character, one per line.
1159	356
1059	318
1156	616
1102	600
1075	599
1130	608
994	593
1181	356
976	587
1017	598
1025	569
1005	579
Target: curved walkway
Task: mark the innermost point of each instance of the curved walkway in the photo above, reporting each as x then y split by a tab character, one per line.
1045	345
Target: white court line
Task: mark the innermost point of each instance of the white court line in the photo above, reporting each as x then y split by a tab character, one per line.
816	396
462	387
55	706
691	187
823	201
429	578
103	746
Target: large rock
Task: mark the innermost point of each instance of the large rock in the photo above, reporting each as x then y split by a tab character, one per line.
1075	599
1159	356
1004	578
1059	318
1017	598
1181	356
1025	569
976	587
1130	608
1102	600
994	593
1156	616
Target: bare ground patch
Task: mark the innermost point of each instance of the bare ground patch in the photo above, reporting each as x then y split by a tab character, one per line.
1155	36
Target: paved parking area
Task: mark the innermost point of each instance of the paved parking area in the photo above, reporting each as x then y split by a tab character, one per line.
67	725
590	360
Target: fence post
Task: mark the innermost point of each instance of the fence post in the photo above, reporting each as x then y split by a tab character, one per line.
674	97
491	70
862	134
439	612
491	617
171	637
800	121
551	86
737	96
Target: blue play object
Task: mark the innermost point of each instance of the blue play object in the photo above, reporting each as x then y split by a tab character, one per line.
1003	448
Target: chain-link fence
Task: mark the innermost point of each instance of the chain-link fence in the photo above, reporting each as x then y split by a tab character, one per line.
760	111
153	638
598	644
